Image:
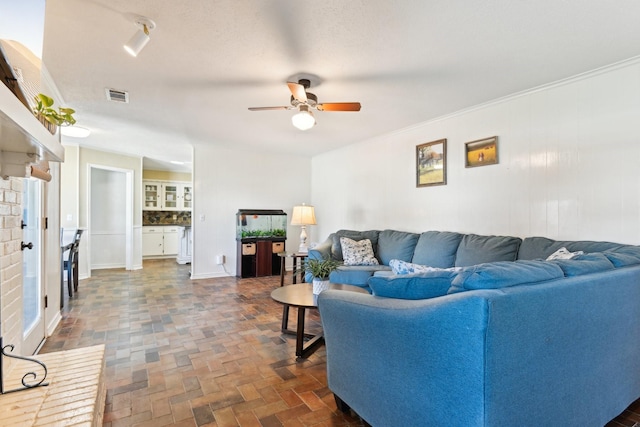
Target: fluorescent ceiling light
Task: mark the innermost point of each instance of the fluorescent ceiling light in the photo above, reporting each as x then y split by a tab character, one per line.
75	131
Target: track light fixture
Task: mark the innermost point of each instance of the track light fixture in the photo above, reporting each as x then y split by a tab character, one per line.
140	39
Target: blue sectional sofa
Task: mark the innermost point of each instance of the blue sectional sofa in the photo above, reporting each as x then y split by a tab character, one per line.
502	342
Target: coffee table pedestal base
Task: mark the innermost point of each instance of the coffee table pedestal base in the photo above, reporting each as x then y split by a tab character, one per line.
303	350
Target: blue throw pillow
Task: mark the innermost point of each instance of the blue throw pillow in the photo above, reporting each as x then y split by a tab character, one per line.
504	274
475	249
584	264
393	244
412	286
437	248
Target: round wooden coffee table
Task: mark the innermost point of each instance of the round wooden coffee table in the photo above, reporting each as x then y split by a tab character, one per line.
302	297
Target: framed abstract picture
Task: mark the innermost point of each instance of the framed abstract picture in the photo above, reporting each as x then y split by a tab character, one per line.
431	163
482	152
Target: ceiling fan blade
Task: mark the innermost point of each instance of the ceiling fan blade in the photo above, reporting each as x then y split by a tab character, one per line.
339	106
268	108
298	92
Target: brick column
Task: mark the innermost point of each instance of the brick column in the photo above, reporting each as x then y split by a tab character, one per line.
11	263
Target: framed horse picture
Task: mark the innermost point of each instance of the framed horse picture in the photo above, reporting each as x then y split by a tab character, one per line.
431	163
482	152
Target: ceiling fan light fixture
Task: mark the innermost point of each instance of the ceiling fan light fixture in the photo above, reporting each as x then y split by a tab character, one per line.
140	39
303	120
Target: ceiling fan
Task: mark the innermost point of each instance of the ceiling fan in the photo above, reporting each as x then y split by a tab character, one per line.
304	102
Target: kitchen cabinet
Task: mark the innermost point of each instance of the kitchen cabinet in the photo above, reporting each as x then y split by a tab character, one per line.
152	195
159	241
167	196
177	196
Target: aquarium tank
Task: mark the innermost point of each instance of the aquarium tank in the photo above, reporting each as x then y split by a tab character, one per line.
261	224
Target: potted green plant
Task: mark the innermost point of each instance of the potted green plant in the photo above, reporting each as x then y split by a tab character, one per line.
320	269
51	117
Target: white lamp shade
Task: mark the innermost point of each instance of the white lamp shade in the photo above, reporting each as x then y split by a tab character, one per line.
137	43
304	120
303	215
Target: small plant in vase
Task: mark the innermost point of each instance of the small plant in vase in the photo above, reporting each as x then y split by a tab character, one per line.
320	269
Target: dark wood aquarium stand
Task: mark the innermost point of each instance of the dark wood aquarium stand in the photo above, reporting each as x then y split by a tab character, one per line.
261	235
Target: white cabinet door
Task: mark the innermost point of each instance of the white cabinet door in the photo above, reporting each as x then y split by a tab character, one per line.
167	196
177	196
186	197
152	191
170	240
152	241
170	196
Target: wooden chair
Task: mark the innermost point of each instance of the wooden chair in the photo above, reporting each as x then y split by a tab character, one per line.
70	264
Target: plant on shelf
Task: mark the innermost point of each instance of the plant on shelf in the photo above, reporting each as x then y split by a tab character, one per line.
47	114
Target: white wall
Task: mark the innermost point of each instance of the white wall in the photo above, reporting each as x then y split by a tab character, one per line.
227	180
569	157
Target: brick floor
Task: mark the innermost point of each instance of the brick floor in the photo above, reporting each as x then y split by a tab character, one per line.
202	353
196	353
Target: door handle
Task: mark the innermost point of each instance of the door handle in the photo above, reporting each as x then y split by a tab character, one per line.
24	245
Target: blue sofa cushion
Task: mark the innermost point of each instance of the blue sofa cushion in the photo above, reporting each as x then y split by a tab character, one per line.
584	264
437	249
356	275
475	249
336	247
542	247
625	256
502	274
393	244
412	286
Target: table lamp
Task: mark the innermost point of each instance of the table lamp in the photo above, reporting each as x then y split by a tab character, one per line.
303	215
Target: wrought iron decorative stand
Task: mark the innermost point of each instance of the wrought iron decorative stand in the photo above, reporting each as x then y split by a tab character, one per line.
29	380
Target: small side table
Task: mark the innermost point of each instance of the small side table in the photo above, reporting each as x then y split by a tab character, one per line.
298	265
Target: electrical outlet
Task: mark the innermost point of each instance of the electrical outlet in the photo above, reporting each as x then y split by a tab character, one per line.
220	259
175	217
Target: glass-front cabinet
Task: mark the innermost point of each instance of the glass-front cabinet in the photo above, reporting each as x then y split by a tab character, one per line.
187	197
152	191
167	196
170	198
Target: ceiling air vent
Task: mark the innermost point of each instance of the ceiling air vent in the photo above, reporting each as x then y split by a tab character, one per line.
117	95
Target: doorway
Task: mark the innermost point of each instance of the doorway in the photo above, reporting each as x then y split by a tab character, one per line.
110	237
33	324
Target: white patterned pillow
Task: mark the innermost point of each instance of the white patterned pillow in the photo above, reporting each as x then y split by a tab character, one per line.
563	253
357	252
402	267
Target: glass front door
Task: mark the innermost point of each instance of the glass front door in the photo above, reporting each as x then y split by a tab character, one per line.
33	310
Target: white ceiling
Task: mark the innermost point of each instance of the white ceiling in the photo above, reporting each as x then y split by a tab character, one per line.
406	62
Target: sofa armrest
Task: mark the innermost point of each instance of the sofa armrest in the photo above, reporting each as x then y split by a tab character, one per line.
407	354
321	251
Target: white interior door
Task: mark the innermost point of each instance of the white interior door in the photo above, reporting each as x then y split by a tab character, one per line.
108	219
32	283
110	237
